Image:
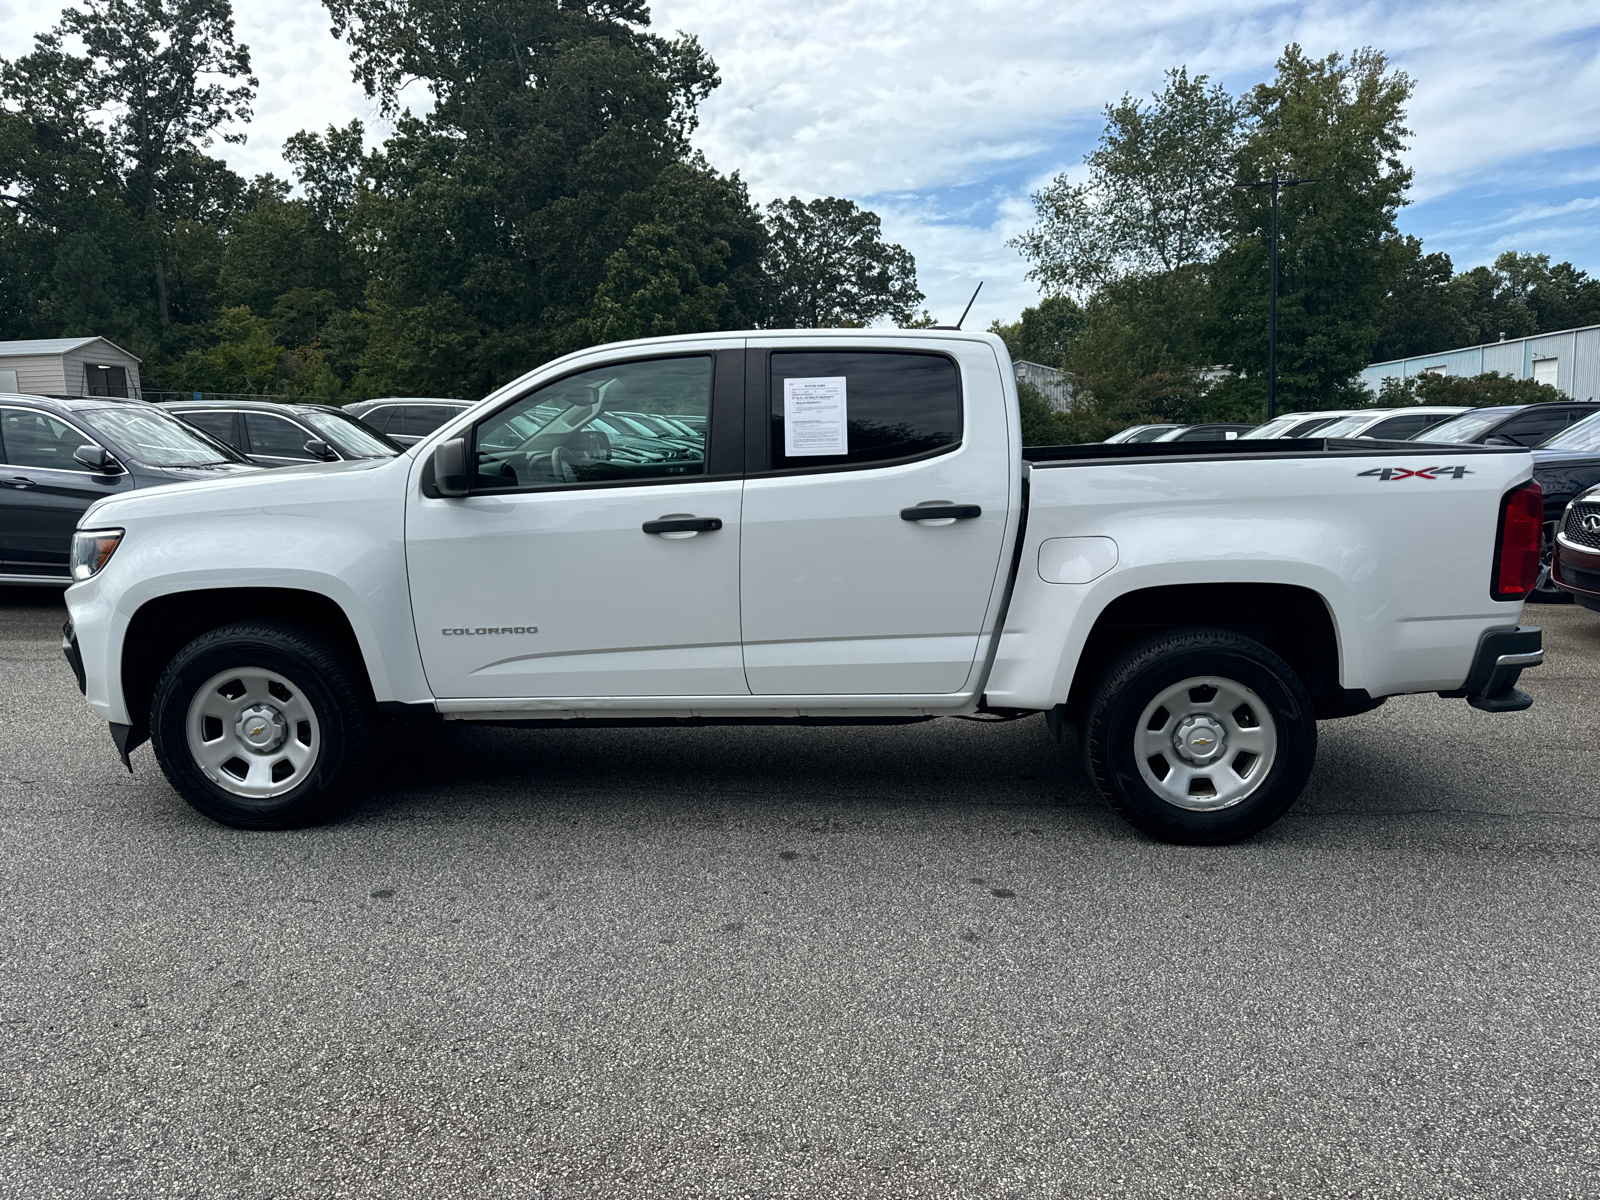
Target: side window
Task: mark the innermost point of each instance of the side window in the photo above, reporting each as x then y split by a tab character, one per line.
568	432
1532	427
381	418
856	407
218	424
32	439
1399	428
422	419
276	437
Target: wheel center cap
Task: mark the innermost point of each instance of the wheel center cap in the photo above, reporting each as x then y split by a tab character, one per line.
262	728
1200	739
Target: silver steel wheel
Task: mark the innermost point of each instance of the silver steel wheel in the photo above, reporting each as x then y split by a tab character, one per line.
253	733
1205	743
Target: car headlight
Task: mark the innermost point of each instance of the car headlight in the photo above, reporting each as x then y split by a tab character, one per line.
92	549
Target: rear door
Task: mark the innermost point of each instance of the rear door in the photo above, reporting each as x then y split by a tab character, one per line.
841	592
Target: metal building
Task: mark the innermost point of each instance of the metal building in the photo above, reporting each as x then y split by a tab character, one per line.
1055	384
1568	359
85	366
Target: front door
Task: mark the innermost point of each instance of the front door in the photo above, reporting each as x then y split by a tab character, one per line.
843	591
584	565
43	491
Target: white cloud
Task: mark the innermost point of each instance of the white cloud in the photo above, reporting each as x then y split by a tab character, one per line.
900	102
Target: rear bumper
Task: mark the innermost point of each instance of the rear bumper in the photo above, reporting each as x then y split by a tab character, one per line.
1503	654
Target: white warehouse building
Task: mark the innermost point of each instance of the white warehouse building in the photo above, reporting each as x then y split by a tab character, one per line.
81	366
1568	359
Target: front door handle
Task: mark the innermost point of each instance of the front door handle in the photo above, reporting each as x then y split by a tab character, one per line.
683	525
17	481
941	512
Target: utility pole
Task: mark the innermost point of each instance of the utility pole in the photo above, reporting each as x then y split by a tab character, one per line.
1275	183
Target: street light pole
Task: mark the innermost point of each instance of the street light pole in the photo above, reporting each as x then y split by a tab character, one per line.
1275	183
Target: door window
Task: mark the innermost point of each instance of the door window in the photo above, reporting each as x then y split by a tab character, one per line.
381	418
836	408
218	424
275	437
564	434
1532	427
1400	428
32	439
422	419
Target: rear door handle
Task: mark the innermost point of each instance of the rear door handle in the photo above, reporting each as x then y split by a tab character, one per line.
683	525
941	512
17	481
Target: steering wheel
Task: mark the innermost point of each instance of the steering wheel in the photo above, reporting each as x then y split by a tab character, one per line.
563	465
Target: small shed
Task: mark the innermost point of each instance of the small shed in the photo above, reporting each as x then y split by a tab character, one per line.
85	366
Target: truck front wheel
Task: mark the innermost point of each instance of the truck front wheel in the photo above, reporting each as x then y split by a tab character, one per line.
261	725
1200	737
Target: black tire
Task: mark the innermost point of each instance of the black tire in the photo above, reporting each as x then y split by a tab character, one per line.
316	677
1113	738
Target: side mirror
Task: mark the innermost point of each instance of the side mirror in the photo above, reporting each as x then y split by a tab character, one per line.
318	448
1499	439
97	458
450	467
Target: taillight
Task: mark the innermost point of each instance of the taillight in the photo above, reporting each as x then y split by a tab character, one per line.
1516	551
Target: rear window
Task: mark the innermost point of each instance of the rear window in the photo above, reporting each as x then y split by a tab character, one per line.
835	408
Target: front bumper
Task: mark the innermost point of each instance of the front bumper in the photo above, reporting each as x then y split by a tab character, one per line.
69	647
1502	656
1577	571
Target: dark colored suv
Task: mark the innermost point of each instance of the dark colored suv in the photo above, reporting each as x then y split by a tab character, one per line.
1509	424
58	456
285	435
406	421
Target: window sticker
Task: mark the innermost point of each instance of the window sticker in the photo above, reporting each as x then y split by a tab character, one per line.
814	416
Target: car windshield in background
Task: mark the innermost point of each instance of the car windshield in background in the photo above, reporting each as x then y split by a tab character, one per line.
1585	435
158	440
1459	429
349	437
1345	426
1271	429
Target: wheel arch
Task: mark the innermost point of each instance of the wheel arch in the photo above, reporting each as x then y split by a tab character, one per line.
163	625
1295	622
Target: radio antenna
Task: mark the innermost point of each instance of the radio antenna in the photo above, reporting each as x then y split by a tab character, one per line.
968	308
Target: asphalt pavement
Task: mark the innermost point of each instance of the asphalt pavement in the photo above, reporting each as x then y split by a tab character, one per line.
767	962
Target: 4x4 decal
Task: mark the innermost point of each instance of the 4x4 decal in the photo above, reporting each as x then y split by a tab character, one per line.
1390	473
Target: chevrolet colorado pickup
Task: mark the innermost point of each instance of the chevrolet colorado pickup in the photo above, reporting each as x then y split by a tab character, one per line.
831	527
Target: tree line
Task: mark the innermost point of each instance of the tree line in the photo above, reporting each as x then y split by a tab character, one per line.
549	200
1155	265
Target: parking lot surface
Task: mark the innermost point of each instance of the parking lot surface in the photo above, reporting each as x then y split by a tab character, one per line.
770	962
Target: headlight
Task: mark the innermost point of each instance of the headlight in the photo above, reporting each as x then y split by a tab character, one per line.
92	549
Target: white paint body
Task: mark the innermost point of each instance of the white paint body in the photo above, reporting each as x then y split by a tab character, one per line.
815	597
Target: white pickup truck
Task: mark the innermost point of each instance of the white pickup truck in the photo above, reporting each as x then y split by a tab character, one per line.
811	527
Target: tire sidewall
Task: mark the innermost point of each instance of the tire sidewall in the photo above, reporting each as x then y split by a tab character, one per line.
201	661
1116	722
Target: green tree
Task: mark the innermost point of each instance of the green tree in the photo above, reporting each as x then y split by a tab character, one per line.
1156	200
1472	391
827	265
1044	333
1340	121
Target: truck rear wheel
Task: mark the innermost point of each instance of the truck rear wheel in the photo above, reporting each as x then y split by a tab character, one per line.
1200	737
261	725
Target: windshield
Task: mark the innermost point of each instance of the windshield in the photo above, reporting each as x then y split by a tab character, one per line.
1459	429
158	440
1585	435
1271	429
1345	426
349	437
1315	425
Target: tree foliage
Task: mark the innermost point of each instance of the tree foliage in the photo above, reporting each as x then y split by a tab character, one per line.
827	264
1471	391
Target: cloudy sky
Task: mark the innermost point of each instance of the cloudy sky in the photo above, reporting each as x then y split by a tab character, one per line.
944	117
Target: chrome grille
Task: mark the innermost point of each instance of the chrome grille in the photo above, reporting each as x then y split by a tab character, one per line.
1578	516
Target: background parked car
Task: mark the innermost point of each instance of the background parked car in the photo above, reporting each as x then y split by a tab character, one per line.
1389	424
1141	433
406	420
1508	424
284	435
1203	433
1576	569
1565	466
1293	425
60	456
